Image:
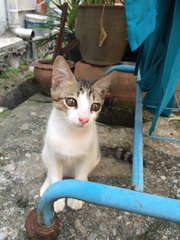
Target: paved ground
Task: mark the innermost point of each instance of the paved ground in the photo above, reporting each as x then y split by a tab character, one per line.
22	173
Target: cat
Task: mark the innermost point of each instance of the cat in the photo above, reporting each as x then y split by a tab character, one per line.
71	147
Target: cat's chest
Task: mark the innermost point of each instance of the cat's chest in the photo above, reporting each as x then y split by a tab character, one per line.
64	143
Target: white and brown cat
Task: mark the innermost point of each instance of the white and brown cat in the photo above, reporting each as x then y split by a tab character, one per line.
71	147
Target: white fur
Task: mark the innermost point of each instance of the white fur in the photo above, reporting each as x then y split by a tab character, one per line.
70	150
83	110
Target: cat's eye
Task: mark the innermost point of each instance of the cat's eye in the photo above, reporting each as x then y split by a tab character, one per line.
95	107
71	102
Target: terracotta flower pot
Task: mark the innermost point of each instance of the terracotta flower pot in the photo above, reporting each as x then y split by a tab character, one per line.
43	73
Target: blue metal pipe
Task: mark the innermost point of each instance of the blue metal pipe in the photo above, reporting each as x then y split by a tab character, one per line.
108	196
121	68
163	138
137	171
137	167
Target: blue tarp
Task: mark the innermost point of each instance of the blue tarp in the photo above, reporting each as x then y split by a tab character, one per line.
154	26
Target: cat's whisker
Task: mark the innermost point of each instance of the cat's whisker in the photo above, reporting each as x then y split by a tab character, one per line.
61	126
103	125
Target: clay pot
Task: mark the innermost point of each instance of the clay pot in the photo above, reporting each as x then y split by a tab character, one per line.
43	73
88	28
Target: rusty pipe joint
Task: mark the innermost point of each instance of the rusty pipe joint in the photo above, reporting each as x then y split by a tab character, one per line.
36	231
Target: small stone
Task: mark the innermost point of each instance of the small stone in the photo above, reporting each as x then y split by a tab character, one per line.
175	180
163	178
25	126
98	213
119	217
114	232
36	196
102	227
2	109
92	236
127	223
164	238
158	180
28	155
78	225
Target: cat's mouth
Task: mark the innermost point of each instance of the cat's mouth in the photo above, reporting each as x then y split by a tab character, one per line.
82	125
79	124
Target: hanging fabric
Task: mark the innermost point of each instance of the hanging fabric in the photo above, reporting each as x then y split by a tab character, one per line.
154	27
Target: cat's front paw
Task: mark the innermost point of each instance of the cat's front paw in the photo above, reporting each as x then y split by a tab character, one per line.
59	205
74	203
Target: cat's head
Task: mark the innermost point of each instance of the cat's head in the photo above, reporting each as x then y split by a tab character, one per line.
81	100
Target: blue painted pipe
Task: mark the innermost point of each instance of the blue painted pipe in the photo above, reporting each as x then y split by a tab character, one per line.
108	196
137	170
163	138
121	68
137	166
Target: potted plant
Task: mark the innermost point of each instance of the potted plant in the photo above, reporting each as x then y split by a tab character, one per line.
100	27
43	67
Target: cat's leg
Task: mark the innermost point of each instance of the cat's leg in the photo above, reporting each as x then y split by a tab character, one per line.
57	175
50	164
45	185
59	204
81	173
76	204
54	174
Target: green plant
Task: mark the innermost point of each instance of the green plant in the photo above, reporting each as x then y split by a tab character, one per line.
9	72
53	14
14	73
53	23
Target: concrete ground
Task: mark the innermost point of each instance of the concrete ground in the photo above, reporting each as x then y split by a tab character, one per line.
22	173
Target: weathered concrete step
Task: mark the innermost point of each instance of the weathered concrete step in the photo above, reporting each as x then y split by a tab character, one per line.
12	48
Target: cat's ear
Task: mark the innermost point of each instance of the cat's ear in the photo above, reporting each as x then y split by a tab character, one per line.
61	73
103	84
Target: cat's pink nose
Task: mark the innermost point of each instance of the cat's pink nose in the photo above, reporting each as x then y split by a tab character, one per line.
83	120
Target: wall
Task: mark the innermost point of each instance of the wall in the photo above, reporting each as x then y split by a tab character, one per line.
24	7
3	17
